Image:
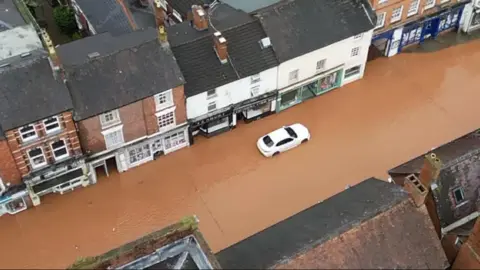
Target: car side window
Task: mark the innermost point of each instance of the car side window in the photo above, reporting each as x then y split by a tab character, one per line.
284	141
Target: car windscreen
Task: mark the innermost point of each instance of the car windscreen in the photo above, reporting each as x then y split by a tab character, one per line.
291	132
267	141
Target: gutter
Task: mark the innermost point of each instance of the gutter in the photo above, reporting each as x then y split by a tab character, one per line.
460	222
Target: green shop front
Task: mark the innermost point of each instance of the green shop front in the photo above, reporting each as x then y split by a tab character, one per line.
315	86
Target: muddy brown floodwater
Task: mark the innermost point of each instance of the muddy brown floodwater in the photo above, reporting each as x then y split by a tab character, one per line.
403	107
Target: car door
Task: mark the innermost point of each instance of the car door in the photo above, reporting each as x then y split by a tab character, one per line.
284	144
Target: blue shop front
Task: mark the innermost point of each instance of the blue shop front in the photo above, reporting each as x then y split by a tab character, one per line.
394	40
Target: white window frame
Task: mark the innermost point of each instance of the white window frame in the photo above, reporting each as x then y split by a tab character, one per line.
30	158
413	8
321	64
355	52
31	138
348	76
168	95
397	18
211	103
116	119
255	78
429	4
52	130
291	78
255	90
462	192
174	147
212	93
382	15
107	132
163	113
64	146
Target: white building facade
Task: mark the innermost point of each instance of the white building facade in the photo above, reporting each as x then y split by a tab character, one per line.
322	70
470	20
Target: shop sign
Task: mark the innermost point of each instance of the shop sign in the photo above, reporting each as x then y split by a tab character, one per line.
255	103
211	118
411	35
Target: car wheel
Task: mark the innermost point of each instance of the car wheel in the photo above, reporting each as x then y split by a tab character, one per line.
276	153
305	140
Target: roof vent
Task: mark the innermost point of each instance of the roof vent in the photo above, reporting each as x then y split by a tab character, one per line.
265	43
93	55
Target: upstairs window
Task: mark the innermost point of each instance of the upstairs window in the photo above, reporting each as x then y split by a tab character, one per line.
396	14
164	100
381	20
293	76
59	149
255	78
113	137
211	93
413	8
110	118
28	133
37	158
321	64
458	195
357	37
212	106
355	51
51	125
429	4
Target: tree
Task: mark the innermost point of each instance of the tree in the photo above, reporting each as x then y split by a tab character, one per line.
65	19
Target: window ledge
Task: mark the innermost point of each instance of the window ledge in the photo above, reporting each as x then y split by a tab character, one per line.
461	204
166	110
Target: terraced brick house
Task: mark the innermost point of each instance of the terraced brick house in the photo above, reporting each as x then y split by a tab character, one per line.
36	122
401	23
128	98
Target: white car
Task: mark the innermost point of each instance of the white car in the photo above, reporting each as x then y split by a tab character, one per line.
283	139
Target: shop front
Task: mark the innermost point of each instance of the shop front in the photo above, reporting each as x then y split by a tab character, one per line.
60	178
320	84
212	124
14	200
257	107
391	42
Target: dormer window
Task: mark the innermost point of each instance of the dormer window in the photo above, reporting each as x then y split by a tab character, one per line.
28	133
110	118
51	125
458	195
211	94
163	100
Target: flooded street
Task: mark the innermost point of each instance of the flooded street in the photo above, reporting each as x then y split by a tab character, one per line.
403	107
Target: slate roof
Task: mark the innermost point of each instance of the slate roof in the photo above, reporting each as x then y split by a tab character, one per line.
180	244
9	15
30	92
129	68
461	168
194	50
108	16
183	6
299	27
368	226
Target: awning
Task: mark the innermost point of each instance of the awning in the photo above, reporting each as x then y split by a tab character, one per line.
255	102
209	118
58	180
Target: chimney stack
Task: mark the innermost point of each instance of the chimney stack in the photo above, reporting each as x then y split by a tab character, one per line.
220	46
418	192
162	36
159	13
430	170
200	18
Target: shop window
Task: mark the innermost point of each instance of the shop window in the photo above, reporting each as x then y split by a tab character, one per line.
163	100
413	8
380	20
396	14
321	64
139	153
16	206
288	98
458	195
429	4
51	125
293	76
166	120
212	106
37	158
110	118
255	78
59	149
211	93
355	51
175	140
113	137
352	71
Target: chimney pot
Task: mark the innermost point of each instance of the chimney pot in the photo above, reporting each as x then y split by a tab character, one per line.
200	18
431	168
418	192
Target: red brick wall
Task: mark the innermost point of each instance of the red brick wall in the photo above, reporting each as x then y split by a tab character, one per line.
132	117
8	169
149	113
19	149
179	100
469	255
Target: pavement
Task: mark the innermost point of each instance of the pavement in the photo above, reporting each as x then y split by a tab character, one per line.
404	106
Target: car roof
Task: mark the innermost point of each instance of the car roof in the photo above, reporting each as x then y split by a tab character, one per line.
278	134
